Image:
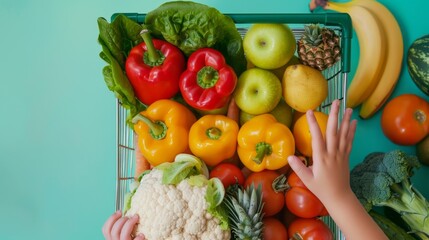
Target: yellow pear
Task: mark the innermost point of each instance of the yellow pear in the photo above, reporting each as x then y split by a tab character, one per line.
304	87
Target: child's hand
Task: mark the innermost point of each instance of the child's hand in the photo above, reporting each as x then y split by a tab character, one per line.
328	178
117	227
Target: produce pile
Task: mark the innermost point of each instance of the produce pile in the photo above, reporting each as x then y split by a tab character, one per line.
215	117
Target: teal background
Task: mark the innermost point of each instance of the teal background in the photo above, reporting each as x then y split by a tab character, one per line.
57	124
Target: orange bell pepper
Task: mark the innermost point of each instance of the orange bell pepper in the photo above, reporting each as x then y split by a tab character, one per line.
213	138
264	143
163	130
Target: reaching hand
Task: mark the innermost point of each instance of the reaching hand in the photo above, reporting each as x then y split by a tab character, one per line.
328	177
117	227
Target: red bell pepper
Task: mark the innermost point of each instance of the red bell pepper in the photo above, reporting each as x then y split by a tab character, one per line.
208	82
154	68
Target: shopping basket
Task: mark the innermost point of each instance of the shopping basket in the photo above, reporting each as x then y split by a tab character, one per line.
336	76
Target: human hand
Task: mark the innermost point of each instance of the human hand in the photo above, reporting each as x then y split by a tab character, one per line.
329	176
117	227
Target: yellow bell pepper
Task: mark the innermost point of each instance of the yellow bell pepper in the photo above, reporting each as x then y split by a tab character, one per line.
213	138
264	143
162	130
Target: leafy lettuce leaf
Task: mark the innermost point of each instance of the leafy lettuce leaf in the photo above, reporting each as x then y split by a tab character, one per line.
191	26
117	39
119	36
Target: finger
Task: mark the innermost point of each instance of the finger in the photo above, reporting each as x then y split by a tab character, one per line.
302	171
317	142
108	225
332	127
128	227
345	123
117	228
350	136
344	129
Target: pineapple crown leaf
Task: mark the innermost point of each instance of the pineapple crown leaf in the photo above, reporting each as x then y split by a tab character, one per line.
313	34
245	212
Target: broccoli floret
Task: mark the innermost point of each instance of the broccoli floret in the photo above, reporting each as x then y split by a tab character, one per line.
383	179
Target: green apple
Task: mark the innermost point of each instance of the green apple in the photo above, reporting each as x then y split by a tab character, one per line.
258	91
282	112
269	45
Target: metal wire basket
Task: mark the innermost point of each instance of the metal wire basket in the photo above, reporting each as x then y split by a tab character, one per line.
336	76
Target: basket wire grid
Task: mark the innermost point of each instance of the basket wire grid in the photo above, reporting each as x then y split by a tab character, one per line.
337	83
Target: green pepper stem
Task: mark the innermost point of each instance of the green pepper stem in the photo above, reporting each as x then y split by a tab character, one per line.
207	77
158	129
153	54
213	133
262	149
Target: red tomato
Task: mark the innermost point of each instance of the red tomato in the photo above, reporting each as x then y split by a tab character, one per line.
228	174
310	229
294	181
274	229
300	201
303	203
405	119
273	201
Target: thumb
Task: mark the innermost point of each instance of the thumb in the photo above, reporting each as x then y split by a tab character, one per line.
302	171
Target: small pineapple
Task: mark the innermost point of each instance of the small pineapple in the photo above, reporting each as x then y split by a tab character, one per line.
245	213
319	47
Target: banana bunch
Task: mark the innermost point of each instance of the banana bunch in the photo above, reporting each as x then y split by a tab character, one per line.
381	52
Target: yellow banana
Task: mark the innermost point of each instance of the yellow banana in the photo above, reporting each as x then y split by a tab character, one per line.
393	65
372	51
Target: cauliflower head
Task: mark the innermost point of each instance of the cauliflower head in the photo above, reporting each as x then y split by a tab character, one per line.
173	212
